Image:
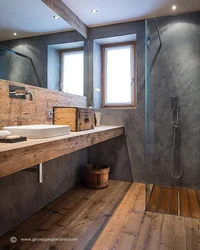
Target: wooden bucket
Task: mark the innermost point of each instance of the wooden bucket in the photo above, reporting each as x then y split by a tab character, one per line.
97	176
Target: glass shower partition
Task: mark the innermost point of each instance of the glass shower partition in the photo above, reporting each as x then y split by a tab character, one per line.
158	116
148	187
172	98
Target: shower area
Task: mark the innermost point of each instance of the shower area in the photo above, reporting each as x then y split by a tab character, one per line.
172	115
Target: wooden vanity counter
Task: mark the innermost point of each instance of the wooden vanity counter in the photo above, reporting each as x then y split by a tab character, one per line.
18	156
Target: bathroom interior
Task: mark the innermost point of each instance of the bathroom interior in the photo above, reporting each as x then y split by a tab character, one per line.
99	83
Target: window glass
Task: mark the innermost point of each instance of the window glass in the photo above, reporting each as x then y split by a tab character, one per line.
118	76
73	72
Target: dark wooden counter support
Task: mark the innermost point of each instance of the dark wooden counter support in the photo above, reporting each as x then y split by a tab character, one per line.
22	155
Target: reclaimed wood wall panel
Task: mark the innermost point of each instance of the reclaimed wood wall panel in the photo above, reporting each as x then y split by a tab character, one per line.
24	112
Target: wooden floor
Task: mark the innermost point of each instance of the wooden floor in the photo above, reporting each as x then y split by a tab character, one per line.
111	218
175	201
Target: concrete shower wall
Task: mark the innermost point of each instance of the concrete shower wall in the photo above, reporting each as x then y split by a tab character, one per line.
175	71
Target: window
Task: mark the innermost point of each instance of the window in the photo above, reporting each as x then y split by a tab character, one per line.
72	71
118	69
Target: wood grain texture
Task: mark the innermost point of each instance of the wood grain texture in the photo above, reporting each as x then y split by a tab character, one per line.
184	203
179	233
78	119
173	203
35	151
167	234
163	204
194	204
146	230
63	11
80	213
198	196
192	234
24	112
173	200
154	199
111	218
129	205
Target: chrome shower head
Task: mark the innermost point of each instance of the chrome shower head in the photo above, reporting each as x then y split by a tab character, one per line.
174	102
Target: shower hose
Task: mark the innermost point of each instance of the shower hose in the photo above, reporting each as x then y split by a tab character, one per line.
176	137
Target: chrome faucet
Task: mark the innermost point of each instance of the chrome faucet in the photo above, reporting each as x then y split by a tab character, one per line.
19	92
25	92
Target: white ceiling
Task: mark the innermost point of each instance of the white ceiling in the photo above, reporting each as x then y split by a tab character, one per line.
27	18
114	11
32	17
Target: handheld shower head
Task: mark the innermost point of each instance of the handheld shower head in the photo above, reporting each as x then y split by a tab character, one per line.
174	103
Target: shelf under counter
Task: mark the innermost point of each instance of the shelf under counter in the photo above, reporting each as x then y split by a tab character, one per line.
22	155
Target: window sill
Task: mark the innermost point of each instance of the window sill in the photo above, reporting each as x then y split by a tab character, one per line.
107	107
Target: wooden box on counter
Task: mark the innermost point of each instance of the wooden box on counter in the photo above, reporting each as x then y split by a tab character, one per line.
79	119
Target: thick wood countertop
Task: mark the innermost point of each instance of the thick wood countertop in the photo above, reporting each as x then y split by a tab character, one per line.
18	156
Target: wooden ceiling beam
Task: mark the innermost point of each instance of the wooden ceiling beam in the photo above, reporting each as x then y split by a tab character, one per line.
65	13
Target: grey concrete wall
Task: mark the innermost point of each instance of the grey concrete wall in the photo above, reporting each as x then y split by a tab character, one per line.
97	96
4	64
21	194
127	160
175	71
113	153
20	69
53	66
37	49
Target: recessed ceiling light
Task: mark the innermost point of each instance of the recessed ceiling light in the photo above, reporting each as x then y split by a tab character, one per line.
174	7
56	17
94	10
15	34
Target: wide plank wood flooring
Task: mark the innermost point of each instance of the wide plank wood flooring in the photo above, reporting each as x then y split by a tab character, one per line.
112	218
175	201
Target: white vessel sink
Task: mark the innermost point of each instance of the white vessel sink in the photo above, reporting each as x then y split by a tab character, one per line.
39	131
